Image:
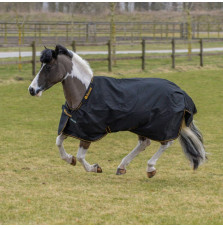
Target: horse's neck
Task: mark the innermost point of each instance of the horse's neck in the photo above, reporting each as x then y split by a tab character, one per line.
74	91
76	83
81	70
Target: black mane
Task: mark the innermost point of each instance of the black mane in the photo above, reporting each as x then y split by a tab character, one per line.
48	54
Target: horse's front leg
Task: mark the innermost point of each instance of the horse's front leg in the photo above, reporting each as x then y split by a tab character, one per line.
65	156
82	151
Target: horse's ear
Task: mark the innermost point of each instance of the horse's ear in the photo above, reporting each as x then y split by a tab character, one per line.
54	55
60	50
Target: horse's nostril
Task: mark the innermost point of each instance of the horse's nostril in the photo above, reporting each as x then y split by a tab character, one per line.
32	91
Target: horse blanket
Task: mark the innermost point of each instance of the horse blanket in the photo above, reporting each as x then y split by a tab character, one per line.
149	107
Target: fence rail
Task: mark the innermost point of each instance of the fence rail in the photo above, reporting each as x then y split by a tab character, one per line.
143	56
100	31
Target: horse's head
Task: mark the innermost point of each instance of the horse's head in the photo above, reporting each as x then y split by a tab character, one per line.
56	64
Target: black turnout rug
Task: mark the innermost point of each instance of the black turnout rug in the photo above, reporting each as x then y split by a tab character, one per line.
149	107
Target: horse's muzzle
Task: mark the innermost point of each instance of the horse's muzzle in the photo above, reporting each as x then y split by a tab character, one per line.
32	91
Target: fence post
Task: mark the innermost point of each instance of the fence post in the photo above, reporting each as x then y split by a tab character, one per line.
219	30
79	31
198	29
161	31
6	34
140	30
154	31
35	31
40	33
143	54
33	58
208	30
173	34
109	57
173	53
201	53
74	46
182	30
87	32
167	30
67	32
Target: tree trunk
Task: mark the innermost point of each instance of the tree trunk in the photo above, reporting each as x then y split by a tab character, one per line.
113	32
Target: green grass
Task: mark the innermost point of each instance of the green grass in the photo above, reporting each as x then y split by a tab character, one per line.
37	187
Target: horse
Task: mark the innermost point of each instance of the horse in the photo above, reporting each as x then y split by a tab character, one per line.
154	109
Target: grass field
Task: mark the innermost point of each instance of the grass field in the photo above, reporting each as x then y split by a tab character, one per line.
37	187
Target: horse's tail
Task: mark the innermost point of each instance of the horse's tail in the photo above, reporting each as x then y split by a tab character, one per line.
191	141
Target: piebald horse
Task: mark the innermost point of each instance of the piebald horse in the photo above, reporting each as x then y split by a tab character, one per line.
155	123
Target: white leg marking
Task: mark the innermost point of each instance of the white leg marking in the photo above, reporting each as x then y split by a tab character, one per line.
151	163
59	142
139	148
81	153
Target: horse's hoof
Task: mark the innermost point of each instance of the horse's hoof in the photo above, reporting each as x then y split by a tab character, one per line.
151	174
73	162
120	171
99	169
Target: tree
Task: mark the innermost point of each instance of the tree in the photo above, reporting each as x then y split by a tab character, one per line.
52	7
113	31
131	7
187	8
122	6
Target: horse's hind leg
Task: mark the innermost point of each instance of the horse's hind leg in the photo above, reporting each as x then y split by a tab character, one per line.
142	144
151	170
65	156
82	151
